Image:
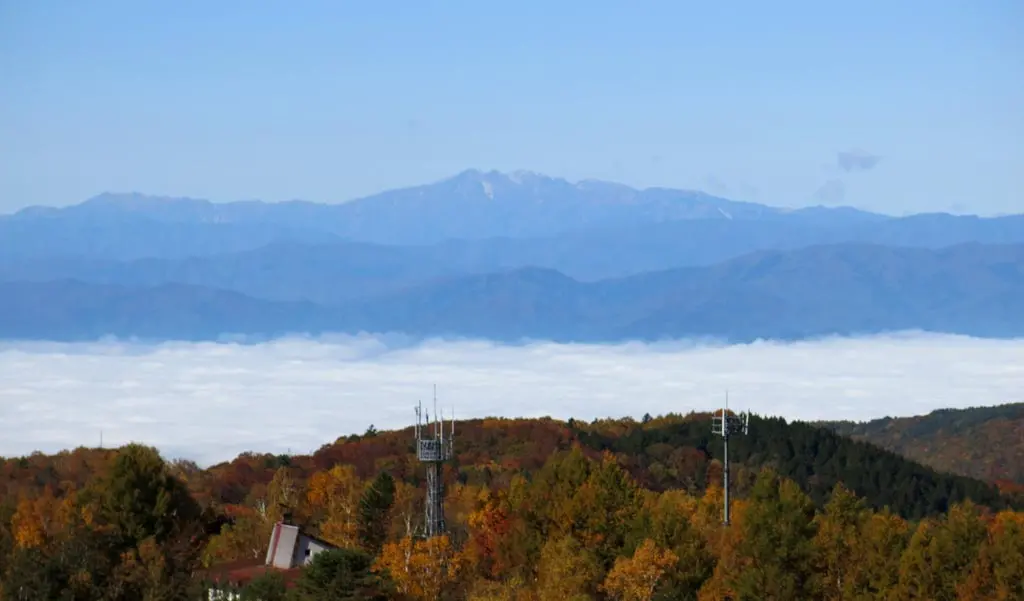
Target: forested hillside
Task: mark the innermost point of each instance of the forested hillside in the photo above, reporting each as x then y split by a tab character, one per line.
537	509
981	442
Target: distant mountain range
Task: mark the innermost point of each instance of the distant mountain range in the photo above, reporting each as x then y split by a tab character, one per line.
505	257
844	289
514	220
471	205
339	271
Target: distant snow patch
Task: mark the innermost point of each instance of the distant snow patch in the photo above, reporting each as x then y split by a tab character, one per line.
488	189
725	213
521	176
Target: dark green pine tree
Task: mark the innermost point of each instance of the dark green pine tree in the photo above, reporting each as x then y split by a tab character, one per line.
374	512
75	568
341	575
32	575
141	499
156	529
266	587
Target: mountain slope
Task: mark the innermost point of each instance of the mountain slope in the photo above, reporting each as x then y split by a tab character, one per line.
475	205
344	271
72	311
816	458
842	289
981	442
80	231
470	205
283	271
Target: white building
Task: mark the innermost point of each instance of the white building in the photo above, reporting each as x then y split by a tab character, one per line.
289	550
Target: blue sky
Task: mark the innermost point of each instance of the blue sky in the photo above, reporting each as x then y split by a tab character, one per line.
332	100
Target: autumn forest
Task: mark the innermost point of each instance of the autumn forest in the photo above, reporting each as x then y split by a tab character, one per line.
536	510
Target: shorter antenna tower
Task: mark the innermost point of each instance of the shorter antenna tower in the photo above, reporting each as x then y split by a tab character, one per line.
726	424
433	448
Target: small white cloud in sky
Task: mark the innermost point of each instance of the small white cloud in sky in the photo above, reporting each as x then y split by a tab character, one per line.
210	401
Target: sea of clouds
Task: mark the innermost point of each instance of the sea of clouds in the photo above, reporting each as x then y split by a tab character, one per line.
210	401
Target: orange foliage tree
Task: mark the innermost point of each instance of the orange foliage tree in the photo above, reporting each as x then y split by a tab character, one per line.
998	572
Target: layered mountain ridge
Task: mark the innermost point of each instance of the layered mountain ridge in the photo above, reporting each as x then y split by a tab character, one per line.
507	257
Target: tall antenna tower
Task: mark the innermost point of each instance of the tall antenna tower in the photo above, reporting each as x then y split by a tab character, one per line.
725	425
433	448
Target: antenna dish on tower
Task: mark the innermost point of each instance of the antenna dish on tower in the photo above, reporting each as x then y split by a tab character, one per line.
726	424
433	449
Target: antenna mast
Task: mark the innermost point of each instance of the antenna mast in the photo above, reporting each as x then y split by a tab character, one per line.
725	424
433	449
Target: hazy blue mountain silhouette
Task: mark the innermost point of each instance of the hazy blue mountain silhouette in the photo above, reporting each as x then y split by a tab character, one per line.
820	290
502	256
471	205
473	222
336	272
67	310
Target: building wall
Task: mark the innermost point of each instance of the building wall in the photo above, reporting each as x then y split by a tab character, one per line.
290	548
306	549
219	595
282	546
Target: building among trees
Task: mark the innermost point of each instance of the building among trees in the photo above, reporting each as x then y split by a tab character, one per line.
290	549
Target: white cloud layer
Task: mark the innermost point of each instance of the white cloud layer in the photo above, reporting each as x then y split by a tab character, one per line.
210	401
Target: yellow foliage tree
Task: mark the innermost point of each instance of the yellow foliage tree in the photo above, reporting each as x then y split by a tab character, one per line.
333	498
283	494
636	578
670	522
27	525
404	510
723	542
835	542
36	521
246	538
511	589
567	571
707	516
939	556
460	502
604	509
874	567
421	569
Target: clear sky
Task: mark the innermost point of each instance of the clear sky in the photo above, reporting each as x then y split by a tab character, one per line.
892	106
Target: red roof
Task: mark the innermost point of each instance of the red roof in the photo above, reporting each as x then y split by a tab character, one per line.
240	573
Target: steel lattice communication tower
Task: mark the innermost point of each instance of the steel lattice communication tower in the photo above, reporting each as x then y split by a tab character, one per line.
433	448
726	424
